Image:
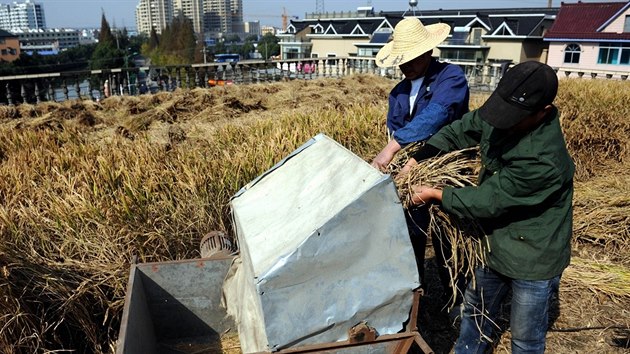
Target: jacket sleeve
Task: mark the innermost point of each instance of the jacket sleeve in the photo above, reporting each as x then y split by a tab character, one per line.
450	93
524	181
462	133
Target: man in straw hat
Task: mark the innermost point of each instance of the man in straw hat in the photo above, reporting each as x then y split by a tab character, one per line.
522	202
431	95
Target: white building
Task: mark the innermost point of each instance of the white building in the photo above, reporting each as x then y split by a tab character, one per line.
153	14
47	40
22	15
218	16
214	17
236	8
191	9
252	27
268	29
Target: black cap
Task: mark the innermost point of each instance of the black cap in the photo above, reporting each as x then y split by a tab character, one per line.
524	89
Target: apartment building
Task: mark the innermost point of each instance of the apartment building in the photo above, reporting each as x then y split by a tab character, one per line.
191	9
253	27
218	16
47	41
236	9
26	14
213	17
154	14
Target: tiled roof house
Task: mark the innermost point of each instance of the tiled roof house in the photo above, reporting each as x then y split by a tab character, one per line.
477	35
591	38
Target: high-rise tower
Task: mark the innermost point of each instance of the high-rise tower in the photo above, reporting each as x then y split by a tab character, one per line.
22	15
153	14
191	9
218	16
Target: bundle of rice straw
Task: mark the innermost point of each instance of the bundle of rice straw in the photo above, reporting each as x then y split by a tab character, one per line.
598	276
454	169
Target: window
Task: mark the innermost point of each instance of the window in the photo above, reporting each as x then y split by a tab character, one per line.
318	29
292	53
476	36
572	53
331	61
614	53
626	25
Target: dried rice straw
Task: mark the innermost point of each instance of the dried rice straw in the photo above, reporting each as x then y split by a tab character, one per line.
600	277
454	169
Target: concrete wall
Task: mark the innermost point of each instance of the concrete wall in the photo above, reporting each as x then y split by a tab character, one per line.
339	46
501	49
588	58
617	25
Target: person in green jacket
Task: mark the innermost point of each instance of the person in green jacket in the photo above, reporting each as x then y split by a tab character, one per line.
523	202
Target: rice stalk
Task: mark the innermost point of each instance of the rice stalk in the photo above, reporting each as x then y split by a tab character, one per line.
454	169
599	277
600	211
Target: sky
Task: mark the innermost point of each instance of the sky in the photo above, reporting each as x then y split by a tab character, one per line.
121	13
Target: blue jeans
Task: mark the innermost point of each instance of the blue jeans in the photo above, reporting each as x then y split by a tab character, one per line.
529	317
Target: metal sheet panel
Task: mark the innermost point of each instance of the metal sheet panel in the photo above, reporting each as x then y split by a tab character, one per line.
324	245
170	304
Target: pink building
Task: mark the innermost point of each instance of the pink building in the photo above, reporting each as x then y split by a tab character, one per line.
591	39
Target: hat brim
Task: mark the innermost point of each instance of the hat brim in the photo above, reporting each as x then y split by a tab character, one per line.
502	114
388	56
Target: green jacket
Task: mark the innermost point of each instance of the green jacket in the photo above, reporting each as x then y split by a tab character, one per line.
523	200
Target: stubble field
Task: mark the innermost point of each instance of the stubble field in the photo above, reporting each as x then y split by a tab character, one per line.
85	187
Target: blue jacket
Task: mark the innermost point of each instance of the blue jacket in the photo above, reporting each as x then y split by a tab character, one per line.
443	98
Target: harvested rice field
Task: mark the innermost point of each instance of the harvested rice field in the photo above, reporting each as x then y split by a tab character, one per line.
85	187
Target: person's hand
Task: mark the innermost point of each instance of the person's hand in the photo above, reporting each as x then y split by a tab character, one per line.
382	159
386	155
424	195
408	166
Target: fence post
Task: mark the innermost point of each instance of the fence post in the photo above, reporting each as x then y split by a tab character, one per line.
23	92
77	88
9	95
64	88
38	100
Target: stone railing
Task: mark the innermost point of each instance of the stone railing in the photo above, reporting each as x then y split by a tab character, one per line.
567	72
98	84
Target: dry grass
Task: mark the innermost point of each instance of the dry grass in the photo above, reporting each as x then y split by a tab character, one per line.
84	187
455	169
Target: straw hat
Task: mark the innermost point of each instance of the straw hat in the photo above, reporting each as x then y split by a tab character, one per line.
410	40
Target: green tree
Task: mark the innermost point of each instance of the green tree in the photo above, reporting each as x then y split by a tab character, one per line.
246	49
107	55
154	41
177	43
105	35
233	38
268	46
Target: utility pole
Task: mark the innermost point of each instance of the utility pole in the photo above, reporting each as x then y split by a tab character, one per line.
549	3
